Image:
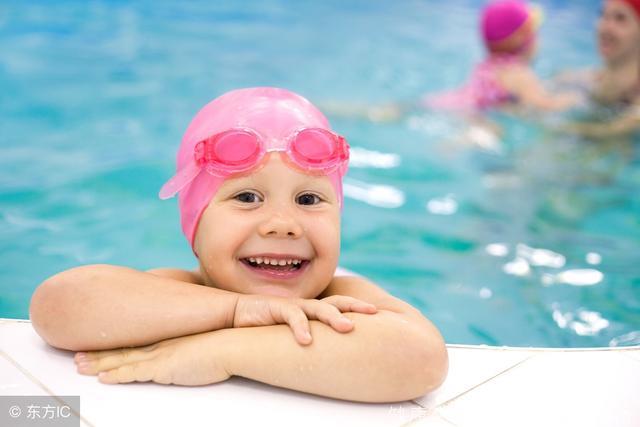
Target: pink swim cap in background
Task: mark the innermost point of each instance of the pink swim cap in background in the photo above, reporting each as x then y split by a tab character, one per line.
508	26
272	112
635	4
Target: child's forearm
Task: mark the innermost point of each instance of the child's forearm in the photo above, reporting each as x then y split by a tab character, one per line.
386	358
102	307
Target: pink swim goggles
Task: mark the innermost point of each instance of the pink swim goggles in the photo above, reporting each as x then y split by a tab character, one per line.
236	151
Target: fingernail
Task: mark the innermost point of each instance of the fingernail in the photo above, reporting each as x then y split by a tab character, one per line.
345	320
81	356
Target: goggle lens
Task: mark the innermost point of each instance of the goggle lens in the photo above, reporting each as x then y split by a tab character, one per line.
236	148
315	147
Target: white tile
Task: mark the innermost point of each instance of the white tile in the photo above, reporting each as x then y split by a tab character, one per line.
634	354
13	382
430	420
469	367
237	401
591	388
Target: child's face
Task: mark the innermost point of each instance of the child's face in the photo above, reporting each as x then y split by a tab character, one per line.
276	213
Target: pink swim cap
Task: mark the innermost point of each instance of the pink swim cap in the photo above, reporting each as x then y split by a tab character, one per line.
508	26
274	113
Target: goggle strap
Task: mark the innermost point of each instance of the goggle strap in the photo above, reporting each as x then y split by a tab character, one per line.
336	181
180	180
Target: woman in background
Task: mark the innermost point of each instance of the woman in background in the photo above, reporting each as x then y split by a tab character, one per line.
616	86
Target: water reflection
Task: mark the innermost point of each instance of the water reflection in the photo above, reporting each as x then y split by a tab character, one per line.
446	205
383	196
363	158
628	339
582	322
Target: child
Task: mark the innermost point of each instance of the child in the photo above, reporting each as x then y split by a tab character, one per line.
504	78
259	178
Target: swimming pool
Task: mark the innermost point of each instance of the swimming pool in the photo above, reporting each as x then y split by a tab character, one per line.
535	243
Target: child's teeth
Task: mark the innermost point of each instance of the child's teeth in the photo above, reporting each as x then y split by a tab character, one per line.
278	262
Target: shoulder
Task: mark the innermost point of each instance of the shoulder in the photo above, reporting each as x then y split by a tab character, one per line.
177	274
516	74
365	290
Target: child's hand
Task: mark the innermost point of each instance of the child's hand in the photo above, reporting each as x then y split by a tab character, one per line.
261	310
190	360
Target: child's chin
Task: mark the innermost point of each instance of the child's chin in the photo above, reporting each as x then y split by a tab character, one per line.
277	291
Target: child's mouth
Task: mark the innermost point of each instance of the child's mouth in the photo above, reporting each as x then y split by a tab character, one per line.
279	268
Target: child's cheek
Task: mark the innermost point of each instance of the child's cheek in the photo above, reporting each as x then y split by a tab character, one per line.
324	234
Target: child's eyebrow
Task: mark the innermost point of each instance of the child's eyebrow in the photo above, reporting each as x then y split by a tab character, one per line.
313	183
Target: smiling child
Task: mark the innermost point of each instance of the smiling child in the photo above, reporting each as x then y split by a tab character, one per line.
259	181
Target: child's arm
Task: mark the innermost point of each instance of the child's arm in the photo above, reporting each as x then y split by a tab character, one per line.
106	306
531	93
393	355
102	307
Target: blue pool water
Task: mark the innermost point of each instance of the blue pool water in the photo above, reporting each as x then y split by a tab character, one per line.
533	241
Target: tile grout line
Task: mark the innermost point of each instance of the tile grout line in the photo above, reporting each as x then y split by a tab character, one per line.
42	385
415	404
481	383
487	380
447	402
423	416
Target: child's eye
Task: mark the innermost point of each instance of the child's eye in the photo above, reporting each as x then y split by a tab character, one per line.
308	199
247	197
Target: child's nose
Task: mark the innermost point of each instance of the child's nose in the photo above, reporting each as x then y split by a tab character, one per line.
280	225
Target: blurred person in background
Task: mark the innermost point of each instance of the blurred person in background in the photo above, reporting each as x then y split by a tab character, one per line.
614	88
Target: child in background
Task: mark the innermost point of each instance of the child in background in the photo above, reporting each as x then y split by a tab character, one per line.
259	178
504	78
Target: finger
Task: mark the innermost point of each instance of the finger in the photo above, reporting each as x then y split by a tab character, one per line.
363	307
93	355
328	314
111	359
135	372
346	304
298	322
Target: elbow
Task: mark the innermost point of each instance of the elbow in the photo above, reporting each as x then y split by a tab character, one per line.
431	364
410	356
424	363
53	308
44	311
